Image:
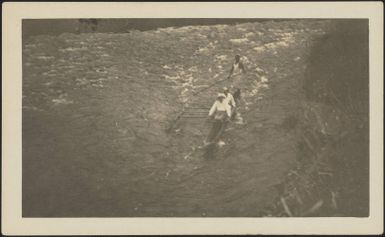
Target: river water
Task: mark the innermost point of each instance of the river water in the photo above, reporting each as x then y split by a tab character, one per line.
96	107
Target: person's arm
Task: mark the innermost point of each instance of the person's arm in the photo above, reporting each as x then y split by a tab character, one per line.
213	109
231	71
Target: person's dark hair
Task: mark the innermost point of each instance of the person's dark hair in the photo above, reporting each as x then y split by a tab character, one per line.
237	57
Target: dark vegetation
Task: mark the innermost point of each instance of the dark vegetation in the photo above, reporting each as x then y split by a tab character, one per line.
332	175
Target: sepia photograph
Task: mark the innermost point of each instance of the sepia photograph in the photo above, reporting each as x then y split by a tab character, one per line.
195	117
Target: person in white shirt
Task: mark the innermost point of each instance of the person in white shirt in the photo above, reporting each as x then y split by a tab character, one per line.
220	107
221	112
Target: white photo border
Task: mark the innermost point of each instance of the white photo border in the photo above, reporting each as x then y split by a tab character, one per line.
14	224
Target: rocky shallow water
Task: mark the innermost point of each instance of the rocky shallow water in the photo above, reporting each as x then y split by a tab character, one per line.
96	108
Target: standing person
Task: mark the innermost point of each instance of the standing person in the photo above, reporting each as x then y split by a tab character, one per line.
221	112
237	69
238	100
229	99
237	95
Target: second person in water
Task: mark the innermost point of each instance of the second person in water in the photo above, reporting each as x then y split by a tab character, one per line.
229	100
237	76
